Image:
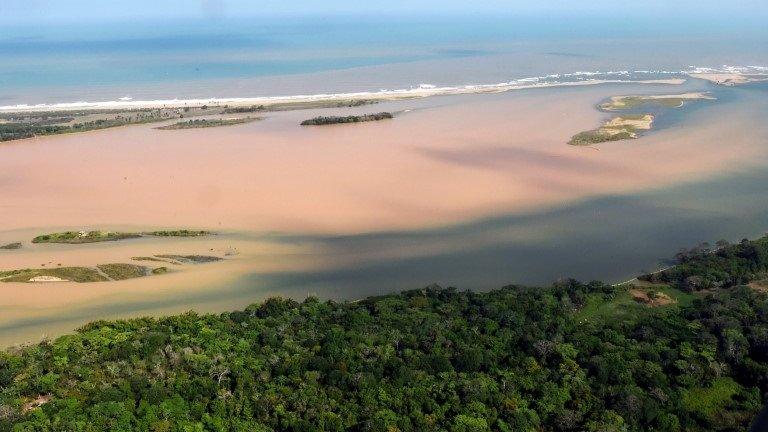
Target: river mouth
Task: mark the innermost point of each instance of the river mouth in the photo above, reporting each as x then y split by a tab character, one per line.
475	191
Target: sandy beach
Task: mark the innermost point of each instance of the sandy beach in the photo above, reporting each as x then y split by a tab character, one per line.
421	91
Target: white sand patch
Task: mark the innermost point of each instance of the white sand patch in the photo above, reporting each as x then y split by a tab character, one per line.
729	79
47	279
621	123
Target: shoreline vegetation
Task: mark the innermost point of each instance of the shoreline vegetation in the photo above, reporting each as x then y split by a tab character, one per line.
631	126
22	125
79	237
206	123
659	354
330	120
11	246
18	124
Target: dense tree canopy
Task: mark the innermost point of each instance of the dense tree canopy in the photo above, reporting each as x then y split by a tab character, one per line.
721	266
512	359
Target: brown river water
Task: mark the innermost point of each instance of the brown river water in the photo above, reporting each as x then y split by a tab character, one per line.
475	191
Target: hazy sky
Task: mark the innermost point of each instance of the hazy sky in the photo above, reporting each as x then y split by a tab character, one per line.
24	11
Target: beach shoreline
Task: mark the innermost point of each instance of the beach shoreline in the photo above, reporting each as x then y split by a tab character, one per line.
421	91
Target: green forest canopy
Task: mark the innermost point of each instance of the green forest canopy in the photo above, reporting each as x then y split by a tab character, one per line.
572	356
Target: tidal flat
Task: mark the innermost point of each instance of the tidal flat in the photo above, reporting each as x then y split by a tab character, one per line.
452	192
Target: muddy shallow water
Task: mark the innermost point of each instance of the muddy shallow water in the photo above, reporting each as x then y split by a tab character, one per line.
474	191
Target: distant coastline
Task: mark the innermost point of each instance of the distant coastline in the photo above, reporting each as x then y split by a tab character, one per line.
724	75
422	91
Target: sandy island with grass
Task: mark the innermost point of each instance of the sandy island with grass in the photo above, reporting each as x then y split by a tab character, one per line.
618	103
630	126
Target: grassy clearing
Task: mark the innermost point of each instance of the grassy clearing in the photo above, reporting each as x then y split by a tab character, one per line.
708	401
11	246
625	305
206	123
123	271
73	274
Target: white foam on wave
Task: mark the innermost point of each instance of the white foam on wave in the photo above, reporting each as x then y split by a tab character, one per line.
422	90
729	69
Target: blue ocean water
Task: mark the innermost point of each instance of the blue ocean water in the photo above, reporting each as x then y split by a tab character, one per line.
261	56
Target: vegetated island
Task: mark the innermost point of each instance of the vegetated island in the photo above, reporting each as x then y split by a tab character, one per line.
100	273
571	356
206	123
618	103
103	272
78	237
11	246
631	126
179	259
618	128
329	120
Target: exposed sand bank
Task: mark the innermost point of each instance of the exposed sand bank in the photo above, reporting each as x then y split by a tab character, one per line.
729	79
643	122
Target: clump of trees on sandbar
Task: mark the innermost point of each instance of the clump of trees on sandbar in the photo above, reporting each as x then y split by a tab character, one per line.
328	120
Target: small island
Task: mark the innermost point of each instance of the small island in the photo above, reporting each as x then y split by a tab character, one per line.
104	272
79	237
632	124
11	246
178	233
616	129
619	103
190	259
329	120
207	123
100	273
